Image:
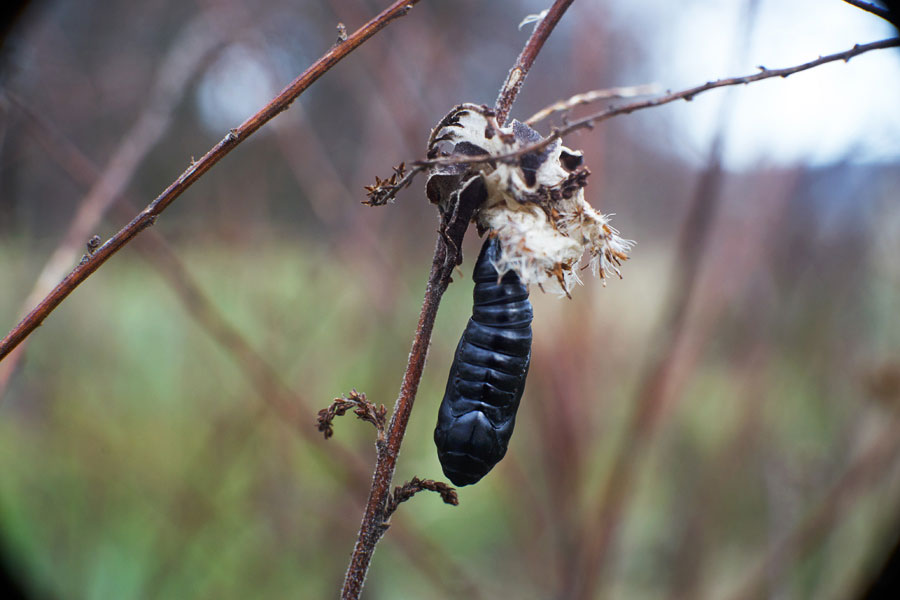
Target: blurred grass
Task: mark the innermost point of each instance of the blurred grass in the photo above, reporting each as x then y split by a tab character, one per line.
135	460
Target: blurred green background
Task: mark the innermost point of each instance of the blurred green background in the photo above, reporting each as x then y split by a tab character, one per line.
157	435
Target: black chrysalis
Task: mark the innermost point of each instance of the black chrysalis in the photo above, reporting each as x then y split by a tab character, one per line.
486	381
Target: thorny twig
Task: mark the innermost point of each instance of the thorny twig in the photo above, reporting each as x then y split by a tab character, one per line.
404	492
446	258
361	407
384	191
196	170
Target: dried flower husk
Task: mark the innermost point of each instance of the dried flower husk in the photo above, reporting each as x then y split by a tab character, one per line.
534	203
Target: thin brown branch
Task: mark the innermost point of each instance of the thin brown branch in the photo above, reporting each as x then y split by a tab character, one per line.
193	45
384	191
616	93
533	46
875	10
590	121
290	407
446	257
197	169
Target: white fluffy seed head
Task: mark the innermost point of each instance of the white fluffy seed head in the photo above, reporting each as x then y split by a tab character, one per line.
535	205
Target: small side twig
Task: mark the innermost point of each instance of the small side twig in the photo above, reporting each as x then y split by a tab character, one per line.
362	408
196	170
404	492
593	96
590	121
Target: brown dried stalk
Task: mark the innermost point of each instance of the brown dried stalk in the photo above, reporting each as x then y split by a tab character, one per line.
446	257
517	74
196	170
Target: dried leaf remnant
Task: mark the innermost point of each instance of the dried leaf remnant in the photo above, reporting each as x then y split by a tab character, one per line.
385	190
404	492
361	407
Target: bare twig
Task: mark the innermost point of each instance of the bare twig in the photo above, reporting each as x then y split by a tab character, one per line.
875	10
404	492
590	121
194	43
196	170
517	74
615	93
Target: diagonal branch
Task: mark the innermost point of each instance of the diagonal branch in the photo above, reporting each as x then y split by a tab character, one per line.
615	93
193	45
385	191
589	121
148	216
517	74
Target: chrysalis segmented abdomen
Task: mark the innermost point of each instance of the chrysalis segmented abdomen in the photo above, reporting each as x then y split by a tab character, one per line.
487	378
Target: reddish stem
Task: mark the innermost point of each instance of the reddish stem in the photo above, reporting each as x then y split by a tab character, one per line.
446	257
517	74
148	216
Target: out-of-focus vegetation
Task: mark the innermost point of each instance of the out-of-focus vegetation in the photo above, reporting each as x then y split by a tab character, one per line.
137	459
